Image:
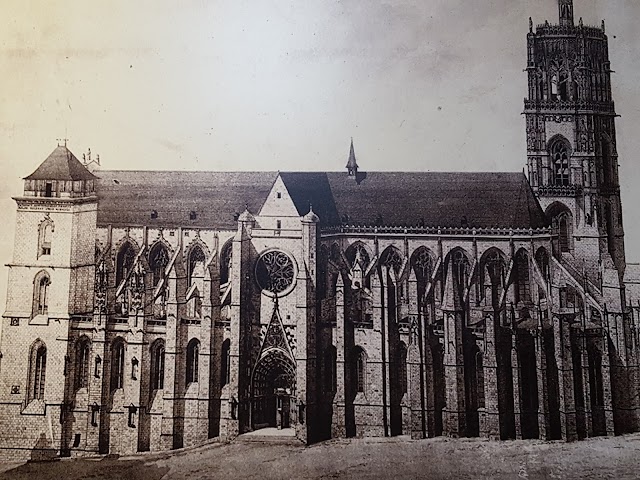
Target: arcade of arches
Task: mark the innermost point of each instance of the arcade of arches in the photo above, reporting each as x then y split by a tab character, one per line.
461	345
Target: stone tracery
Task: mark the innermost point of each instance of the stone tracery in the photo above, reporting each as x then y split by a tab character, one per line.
275	271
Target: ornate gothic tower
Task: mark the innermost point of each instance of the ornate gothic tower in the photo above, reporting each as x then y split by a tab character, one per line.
571	140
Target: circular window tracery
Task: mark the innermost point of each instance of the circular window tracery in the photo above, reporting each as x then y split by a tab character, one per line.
275	272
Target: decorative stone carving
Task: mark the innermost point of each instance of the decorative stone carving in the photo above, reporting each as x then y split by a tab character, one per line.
275	271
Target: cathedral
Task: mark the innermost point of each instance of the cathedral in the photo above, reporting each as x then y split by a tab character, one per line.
152	310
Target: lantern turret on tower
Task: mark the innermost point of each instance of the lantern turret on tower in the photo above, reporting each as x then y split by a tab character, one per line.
61	175
565	8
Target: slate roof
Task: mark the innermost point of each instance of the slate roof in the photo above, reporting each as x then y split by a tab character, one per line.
128	197
61	164
453	199
482	200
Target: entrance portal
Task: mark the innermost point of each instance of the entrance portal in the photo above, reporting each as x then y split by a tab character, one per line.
273	391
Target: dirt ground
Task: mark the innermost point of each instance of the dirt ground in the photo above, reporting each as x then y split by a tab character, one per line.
613	458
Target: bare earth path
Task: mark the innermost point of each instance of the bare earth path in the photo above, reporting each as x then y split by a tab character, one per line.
614	458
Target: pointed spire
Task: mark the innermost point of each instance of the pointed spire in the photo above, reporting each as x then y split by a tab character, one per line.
246	216
352	165
565	8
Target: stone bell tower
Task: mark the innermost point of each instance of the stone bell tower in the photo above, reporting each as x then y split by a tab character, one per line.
571	140
51	283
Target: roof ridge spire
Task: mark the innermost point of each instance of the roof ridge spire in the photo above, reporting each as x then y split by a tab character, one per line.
352	165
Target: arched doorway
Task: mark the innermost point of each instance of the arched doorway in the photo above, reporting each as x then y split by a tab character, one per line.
273	390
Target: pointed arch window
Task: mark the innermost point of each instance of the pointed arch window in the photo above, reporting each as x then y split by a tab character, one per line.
117	364
196	265
461	269
422	264
495	269
196	274
193	354
560	163
542	259
392	259
41	285
360	369
357	255
523	291
83	352
359	260
157	365
124	262
44	238
37	371
158	261
225	262
564	232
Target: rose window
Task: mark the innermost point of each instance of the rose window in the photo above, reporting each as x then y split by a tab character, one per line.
275	272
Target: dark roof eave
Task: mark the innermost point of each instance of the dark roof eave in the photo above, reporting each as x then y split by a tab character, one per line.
436	230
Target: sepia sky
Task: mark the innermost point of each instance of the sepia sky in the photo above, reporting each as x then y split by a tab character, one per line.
283	85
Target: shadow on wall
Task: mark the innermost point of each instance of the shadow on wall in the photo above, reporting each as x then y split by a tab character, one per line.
43	451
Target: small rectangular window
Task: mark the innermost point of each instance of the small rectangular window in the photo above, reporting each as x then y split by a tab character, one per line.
132	417
279	195
48	190
278	224
95	411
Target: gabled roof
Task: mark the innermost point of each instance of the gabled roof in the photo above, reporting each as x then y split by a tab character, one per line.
61	165
453	199
128	197
430	199
312	189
